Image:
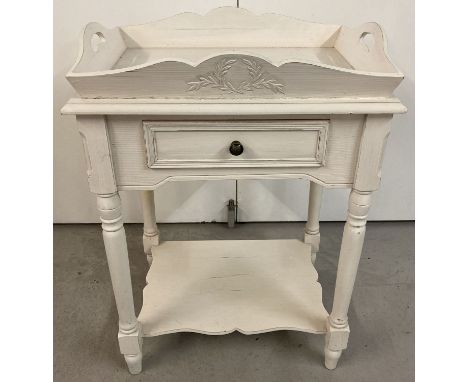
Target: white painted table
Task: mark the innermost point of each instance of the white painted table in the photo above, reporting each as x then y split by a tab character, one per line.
232	95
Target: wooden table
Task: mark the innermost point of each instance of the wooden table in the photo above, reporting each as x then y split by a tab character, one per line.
232	95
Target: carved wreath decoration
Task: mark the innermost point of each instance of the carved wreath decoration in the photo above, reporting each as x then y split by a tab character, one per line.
217	79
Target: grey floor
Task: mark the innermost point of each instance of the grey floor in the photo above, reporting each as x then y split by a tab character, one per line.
381	315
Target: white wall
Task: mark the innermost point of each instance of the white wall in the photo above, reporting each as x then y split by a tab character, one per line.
204	201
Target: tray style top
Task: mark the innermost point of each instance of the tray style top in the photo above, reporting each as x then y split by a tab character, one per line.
232	53
141	56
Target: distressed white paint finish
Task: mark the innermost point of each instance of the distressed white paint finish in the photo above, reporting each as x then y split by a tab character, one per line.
231	278
99	48
394	200
228	73
234	28
130	157
370	56
373	141
367	179
324	55
350	253
206	144
100	173
174	79
115	243
221	107
217	287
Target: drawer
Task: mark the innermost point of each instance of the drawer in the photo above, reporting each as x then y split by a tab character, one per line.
236	143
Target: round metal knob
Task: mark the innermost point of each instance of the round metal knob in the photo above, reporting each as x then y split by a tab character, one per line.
236	148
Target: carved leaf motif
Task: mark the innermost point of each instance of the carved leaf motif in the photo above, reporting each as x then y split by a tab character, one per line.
217	79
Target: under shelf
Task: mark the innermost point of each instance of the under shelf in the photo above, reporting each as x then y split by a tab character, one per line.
220	286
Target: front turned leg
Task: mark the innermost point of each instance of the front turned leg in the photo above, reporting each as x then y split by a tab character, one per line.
129	336
336	339
150	229
312	227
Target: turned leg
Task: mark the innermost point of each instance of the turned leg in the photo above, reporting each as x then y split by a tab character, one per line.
130	340
150	229
311	230
337	335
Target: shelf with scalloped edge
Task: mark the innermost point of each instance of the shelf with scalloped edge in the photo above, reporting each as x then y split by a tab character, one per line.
233	53
221	286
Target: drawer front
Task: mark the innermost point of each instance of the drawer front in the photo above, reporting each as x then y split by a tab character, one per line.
235	144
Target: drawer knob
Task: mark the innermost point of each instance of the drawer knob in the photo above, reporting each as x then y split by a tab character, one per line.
236	148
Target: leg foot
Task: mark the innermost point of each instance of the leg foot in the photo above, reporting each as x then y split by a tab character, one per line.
149	259
131	343
336	340
148	243
150	228
134	362
312	227
331	358
312	238
313	257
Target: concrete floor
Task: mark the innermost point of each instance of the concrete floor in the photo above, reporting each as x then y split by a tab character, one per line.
381	345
